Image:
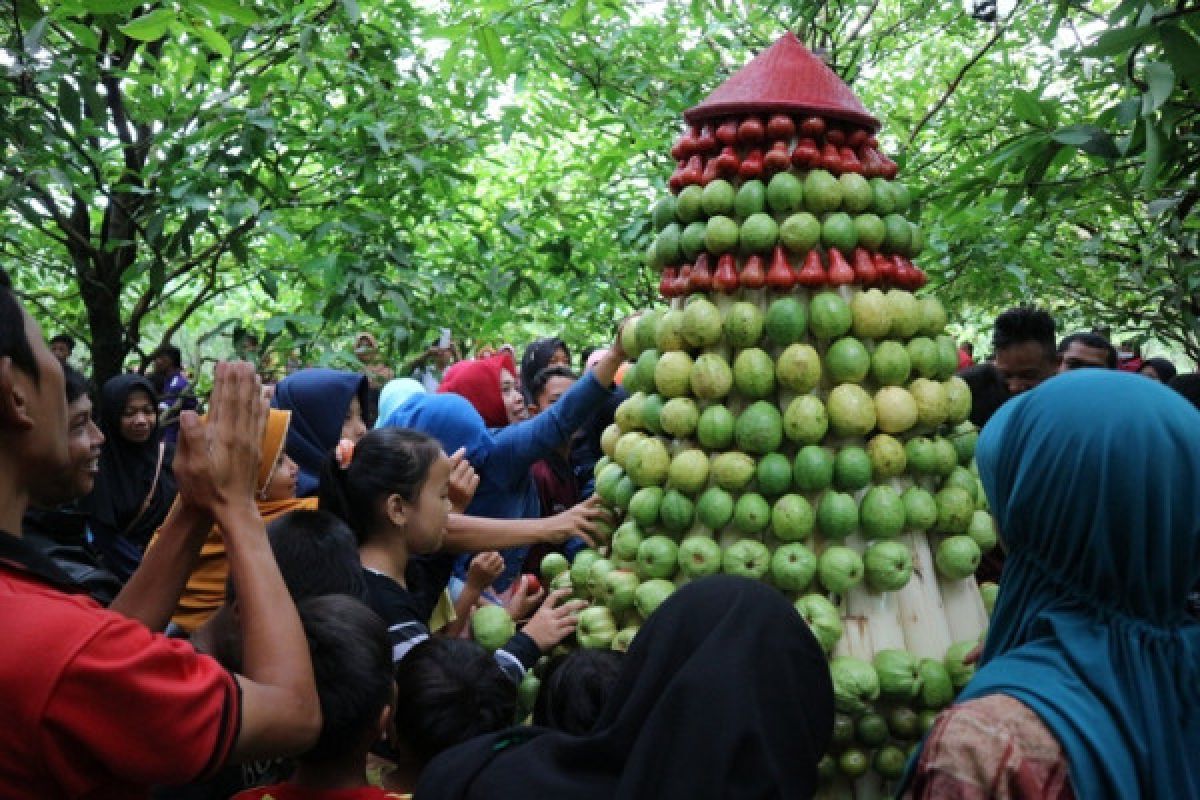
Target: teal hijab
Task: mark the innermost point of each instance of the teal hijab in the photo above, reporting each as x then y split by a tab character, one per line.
394	395
1094	480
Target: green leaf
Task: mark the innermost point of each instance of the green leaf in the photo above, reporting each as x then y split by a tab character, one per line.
232	9
68	103
1154	148
493	48
1183	51
111	6
351	7
1160	82
32	40
149	27
1026	106
573	15
1117	40
214	41
1087	138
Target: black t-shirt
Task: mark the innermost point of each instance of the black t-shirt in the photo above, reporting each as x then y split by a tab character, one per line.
408	624
988	391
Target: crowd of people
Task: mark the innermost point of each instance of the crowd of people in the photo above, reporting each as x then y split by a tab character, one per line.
272	600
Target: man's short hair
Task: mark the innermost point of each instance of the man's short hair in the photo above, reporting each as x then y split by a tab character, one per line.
14	343
1024	324
1094	341
537	384
352	667
449	691
76	384
317	555
172	352
64	338
1188	385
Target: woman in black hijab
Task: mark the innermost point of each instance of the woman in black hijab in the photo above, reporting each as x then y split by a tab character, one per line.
134	485
724	693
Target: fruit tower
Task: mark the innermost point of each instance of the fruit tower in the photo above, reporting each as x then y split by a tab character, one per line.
794	415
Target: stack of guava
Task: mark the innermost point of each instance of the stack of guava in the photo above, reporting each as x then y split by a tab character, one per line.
794	417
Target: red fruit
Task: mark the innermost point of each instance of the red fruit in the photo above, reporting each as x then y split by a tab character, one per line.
850	162
532	584
836	136
726	278
919	277
884	268
679	150
753	276
700	277
812	127
666	284
806	153
675	183
780	126
706	142
728	162
812	274
683	281
752	165
889	168
864	268
726	132
831	159
869	158
840	271
693	173
777	158
750	131
780	275
908	276
857	138
872	142
710	173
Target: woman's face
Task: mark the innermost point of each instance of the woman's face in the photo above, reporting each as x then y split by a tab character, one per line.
139	417
514	401
84	441
353	427
426	518
282	483
559	359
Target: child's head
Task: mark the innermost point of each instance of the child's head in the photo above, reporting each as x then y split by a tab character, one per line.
449	691
575	690
277	473
549	384
397	480
352	666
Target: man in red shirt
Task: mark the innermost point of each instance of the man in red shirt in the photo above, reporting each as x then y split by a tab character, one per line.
94	704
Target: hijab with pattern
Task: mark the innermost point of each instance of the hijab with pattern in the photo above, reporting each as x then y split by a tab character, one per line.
724	693
1098	506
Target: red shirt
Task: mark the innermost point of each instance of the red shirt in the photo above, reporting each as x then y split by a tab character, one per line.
291	791
93	704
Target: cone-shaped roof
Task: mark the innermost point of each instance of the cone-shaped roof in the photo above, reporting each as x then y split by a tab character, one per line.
784	77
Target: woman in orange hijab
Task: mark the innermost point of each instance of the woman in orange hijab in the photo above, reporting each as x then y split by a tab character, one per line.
276	496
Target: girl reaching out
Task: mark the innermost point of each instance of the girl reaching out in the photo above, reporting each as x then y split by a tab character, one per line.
395	495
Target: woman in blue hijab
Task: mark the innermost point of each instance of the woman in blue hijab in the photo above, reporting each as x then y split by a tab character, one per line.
1094	479
503	457
326	405
394	394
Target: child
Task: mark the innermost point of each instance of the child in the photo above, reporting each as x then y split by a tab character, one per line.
575	689
394	496
274	495
447	691
352	667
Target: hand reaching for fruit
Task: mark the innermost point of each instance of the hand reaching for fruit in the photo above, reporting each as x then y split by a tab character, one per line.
553	622
579	520
463	481
484	569
526	595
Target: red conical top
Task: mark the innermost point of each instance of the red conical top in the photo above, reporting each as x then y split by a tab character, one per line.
785	77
